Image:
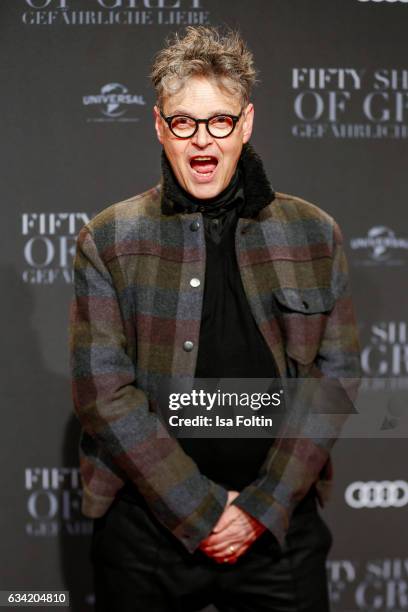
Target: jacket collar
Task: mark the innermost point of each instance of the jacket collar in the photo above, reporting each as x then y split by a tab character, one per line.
258	192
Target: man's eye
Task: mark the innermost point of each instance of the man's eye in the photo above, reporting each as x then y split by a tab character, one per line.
221	121
182	122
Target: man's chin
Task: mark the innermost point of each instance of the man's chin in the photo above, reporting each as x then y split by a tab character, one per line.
204	191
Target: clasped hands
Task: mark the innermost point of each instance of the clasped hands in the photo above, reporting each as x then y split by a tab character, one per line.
233	533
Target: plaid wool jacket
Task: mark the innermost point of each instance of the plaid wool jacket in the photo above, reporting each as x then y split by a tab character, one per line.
133	310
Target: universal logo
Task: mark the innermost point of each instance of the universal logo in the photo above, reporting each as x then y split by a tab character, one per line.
114	12
54	502
381	244
113	103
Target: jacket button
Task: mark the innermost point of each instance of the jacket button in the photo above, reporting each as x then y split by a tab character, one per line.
194	226
188	346
195	282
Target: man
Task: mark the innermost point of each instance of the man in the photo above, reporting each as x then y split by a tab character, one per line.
209	274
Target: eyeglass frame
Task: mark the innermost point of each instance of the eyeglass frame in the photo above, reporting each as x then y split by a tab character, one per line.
235	119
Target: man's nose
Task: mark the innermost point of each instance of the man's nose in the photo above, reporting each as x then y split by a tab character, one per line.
201	138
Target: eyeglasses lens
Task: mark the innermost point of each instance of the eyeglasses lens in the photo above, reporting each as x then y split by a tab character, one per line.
219	126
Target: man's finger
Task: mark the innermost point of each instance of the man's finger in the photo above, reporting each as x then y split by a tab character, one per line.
237	554
241	550
226	518
223	540
223	522
223	546
231	557
228	535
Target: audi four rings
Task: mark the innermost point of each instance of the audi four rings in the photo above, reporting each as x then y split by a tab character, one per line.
377	494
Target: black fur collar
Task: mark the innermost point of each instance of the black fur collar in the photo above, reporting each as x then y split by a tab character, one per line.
258	191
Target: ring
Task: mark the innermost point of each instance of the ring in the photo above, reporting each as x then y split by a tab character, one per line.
231	549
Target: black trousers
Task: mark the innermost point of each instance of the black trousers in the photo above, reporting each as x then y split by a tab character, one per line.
139	566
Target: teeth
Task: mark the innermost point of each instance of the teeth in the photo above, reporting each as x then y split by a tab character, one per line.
203	158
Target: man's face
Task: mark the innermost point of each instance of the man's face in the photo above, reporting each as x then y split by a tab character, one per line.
202	98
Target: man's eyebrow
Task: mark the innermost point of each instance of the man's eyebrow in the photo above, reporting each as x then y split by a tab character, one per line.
219	111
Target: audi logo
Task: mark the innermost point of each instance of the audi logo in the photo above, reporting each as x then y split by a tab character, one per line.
373	494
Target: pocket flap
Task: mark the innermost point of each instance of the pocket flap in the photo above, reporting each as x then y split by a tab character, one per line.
306	301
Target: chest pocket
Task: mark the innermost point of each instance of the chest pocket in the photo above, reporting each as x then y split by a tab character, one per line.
303	314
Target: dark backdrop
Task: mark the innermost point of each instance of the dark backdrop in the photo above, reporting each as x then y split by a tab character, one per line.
331	126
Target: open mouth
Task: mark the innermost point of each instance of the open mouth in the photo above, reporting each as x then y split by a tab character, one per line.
204	165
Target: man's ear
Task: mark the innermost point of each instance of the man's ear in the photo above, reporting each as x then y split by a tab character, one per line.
248	122
158	123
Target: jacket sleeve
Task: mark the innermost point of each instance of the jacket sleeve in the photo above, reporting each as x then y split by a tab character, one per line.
297	458
115	412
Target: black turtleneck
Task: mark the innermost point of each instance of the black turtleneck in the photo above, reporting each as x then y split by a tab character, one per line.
230	343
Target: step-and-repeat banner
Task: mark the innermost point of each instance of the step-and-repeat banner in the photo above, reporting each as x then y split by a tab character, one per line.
77	135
